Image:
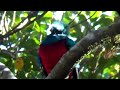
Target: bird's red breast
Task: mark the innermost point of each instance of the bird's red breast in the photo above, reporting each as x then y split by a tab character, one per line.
50	54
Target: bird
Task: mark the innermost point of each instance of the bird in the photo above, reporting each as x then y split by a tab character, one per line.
54	46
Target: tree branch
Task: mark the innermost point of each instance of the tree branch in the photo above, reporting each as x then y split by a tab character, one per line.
7	52
14	30
5	72
62	68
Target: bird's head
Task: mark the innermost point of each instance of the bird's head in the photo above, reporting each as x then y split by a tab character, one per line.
59	27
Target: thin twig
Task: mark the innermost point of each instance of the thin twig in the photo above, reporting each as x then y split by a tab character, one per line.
6	29
7	52
14	16
82	21
74	18
5	26
2	20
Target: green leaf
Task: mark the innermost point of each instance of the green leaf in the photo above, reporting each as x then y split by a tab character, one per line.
96	15
103	21
28	44
66	20
87	12
82	18
49	14
24	14
43	28
67	16
93	19
36	26
79	34
68	13
36	41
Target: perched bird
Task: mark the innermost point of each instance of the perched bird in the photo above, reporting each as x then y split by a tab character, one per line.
54	46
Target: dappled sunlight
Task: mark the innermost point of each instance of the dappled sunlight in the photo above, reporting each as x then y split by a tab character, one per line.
20	37
3	47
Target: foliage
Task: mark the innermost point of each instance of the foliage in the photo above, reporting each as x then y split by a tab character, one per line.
101	62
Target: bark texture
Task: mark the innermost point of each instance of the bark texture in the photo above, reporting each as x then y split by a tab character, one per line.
62	68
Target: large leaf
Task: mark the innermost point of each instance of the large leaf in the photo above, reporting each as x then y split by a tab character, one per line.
96	15
49	14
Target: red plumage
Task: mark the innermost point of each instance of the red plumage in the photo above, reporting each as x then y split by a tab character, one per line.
50	54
